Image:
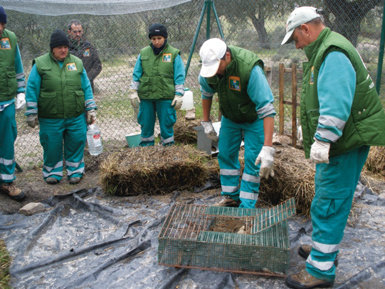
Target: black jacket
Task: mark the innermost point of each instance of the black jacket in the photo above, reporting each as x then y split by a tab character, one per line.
89	55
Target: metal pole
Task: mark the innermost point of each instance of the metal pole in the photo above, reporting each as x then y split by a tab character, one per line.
18	168
195	38
208	4
381	53
217	19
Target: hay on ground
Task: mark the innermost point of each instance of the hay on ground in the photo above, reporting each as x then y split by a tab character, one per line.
155	170
293	177
184	131
376	160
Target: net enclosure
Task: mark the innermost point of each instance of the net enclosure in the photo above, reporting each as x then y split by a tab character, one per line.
227	239
118	29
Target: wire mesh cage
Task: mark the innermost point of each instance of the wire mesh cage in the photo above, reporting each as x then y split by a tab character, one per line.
227	239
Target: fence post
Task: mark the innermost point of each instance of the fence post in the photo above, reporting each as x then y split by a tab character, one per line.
294	103
281	97
381	54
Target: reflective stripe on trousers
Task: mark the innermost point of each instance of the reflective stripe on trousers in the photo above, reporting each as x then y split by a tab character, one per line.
148	110
335	184
70	132
230	138
8	134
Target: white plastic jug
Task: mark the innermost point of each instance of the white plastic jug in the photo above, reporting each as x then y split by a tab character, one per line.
94	140
188	100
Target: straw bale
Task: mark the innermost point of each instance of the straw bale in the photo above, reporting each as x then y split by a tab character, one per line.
155	170
376	160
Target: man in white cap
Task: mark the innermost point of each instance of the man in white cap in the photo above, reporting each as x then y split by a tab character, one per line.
246	104
341	116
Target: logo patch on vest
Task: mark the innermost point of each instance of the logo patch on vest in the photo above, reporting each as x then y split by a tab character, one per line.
166	57
235	83
5	43
86	53
71	66
311	75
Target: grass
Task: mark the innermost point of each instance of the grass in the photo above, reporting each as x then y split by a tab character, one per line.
5	261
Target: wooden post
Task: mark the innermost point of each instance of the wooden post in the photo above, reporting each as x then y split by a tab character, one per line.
294	103
281	96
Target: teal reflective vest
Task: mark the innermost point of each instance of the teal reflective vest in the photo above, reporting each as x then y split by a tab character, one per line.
61	94
8	82
157	81
366	123
234	102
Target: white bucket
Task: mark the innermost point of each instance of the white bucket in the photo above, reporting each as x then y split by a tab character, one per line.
188	100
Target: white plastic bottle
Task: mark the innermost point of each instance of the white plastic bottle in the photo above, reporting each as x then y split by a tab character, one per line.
94	140
188	100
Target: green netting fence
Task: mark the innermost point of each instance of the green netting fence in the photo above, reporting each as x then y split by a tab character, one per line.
119	32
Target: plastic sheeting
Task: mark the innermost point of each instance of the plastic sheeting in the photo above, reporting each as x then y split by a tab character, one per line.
88	240
94	7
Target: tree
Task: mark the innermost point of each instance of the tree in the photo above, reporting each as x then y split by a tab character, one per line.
258	11
348	16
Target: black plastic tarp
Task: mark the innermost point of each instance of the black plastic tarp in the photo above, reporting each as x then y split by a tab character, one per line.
88	240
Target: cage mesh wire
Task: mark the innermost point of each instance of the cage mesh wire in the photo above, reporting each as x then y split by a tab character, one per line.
194	236
255	25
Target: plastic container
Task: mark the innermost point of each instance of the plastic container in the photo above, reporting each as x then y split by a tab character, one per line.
133	139
94	140
188	100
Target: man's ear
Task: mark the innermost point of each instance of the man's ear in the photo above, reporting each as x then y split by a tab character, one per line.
228	55
305	28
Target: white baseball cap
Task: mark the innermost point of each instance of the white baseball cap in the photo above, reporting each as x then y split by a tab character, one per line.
300	15
211	52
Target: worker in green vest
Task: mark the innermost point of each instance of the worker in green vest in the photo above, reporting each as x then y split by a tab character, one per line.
157	87
12	85
246	104
59	99
341	116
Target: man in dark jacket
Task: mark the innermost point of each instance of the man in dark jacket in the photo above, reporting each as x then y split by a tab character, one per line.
83	49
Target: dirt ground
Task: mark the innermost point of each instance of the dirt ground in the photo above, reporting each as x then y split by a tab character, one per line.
36	189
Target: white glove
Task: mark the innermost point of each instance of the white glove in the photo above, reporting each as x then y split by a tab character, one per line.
91	116
177	101
319	151
299	134
135	101
134	98
32	120
266	159
20	100
209	130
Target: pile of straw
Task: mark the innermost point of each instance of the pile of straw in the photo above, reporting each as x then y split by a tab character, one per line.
155	170
184	132
293	177
376	160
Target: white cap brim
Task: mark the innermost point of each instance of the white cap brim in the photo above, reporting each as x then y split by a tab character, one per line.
210	70
287	37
